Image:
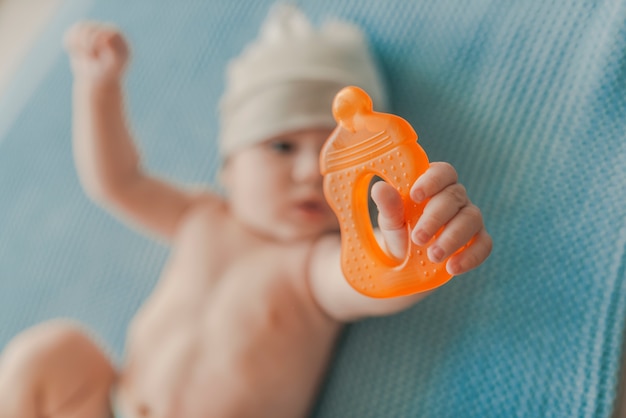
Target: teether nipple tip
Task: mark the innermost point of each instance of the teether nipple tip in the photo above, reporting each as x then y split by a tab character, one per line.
347	103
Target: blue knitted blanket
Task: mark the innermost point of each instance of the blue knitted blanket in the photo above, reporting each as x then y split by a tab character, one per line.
526	99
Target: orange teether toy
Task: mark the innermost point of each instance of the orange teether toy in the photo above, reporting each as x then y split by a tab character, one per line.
367	143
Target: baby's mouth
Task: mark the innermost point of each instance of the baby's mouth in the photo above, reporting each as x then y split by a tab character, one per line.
312	207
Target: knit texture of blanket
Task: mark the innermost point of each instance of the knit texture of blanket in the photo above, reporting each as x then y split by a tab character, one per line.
526	99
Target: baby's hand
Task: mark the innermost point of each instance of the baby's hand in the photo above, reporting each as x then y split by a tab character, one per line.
449	208
98	52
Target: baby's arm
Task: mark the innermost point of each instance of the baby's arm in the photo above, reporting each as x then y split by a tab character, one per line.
448	207
107	161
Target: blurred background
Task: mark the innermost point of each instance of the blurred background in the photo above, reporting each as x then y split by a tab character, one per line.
20	23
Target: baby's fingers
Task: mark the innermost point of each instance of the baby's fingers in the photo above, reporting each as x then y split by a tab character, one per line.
80	37
440	210
72	36
438	176
87	38
471	257
456	233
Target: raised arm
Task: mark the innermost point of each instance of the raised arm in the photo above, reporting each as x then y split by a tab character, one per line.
448	207
107	161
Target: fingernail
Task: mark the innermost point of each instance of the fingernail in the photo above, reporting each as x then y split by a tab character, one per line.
436	254
453	267
418	196
421	237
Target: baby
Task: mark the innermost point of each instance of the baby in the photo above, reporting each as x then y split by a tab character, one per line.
244	318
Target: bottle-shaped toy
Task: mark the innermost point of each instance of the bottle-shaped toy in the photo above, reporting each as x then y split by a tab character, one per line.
367	143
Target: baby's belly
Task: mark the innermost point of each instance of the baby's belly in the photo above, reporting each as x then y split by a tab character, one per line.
253	348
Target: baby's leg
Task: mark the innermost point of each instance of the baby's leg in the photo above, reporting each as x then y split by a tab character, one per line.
54	370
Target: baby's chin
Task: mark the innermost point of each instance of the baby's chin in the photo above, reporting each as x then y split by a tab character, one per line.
288	237
289	233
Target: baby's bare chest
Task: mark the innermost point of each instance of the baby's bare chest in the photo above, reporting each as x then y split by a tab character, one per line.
244	325
258	290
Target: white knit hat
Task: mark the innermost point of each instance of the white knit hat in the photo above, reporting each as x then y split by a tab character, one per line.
286	79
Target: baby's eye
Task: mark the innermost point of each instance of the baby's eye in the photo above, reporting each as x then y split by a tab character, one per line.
282	146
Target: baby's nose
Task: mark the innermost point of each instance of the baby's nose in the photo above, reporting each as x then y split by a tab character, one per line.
306	168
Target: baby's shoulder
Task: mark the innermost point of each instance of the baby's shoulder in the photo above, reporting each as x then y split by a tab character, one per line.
319	256
207	210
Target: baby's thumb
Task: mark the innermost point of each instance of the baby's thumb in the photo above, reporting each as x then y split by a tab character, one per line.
390	206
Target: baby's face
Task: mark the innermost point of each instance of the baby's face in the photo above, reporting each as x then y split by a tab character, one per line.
275	186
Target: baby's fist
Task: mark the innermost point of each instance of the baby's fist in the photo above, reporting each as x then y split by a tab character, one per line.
450	221
98	51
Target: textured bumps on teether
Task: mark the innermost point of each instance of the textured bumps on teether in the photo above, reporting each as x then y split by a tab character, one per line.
367	143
